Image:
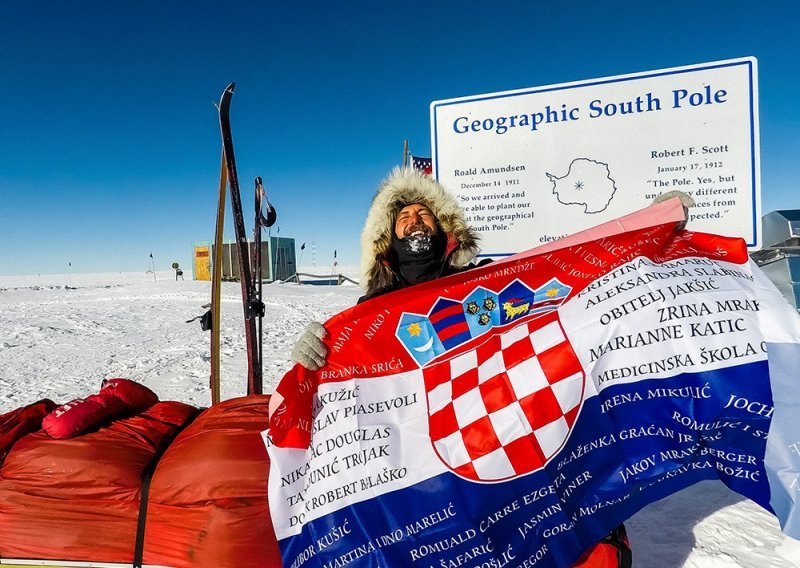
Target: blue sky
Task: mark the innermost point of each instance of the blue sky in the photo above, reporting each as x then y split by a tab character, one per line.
110	143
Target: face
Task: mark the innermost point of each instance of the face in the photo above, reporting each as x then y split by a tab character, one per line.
415	219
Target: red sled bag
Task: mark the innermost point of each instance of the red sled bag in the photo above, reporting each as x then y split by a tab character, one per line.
117	398
79	415
79	499
135	396
15	424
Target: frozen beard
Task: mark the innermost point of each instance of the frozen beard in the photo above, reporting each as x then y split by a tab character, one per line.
416	245
420	254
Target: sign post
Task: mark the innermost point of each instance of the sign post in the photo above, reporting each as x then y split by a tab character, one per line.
533	165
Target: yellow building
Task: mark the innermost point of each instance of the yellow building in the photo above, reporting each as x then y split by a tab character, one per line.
277	259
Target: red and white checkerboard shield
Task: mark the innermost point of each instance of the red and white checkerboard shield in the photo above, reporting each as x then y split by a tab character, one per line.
502	406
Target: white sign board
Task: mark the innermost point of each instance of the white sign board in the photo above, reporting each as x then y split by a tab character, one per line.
533	165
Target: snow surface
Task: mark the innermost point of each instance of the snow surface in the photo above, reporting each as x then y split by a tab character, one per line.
61	335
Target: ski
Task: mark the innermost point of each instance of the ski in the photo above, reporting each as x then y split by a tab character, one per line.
216	284
250	304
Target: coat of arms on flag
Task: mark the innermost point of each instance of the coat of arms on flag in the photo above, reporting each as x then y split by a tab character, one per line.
503	407
499	404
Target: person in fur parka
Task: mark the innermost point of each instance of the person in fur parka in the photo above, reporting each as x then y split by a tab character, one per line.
415	231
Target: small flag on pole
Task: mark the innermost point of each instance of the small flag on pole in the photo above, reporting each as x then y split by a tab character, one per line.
424	165
151	255
334	258
303	247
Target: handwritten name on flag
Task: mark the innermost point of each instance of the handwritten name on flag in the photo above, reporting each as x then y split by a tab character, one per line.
514	414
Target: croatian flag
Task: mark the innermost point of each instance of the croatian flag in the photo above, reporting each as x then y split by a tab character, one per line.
514	414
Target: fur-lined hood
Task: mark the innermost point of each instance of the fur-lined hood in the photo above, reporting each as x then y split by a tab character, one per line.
405	187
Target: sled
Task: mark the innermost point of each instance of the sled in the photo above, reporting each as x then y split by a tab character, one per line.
171	486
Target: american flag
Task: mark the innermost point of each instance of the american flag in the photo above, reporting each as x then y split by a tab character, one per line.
425	165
